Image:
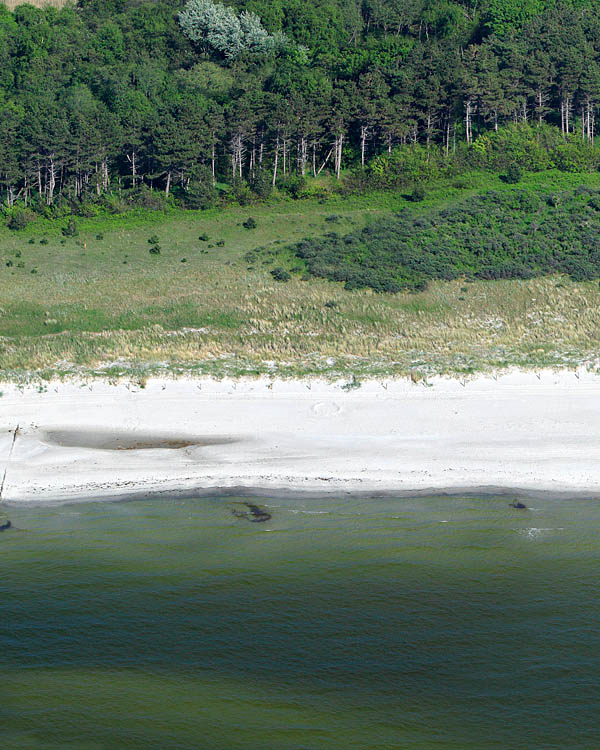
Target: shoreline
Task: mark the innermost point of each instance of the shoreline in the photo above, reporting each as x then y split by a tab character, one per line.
521	434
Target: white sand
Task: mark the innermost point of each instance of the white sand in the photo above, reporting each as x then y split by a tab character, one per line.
522	432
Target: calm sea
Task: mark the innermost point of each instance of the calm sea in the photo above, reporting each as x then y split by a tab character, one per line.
339	624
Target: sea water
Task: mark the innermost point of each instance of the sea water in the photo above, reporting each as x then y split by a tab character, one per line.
339	623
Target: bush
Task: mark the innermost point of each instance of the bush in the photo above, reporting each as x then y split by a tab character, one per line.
279	274
143	197
262	184
293	185
405	166
529	147
499	235
201	192
70	230
19	219
250	223
242	192
155	250
418	194
514	174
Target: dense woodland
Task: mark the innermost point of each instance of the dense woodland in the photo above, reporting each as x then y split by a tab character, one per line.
113	102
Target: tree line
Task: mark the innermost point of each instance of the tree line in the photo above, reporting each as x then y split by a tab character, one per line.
110	98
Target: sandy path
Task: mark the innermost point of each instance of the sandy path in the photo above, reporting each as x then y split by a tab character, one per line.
521	432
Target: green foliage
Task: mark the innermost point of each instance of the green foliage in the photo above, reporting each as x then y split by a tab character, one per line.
250	223
262	184
293	185
418	194
19	219
512	235
122	104
279	274
407	165
219	28
70	229
514	174
503	16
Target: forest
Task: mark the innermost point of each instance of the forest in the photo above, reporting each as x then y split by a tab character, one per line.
110	103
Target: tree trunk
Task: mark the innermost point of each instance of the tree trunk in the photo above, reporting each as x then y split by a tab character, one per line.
338	145
468	122
276	160
364	134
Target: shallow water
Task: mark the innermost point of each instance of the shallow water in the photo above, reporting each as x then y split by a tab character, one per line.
376	623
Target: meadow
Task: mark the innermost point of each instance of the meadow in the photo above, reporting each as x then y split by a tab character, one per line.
12	4
100	303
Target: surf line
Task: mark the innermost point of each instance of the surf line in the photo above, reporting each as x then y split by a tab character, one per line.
12	445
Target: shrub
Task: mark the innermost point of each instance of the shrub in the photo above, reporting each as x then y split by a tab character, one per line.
499	235
201	192
204	238
142	196
155	250
418	194
153	240
250	223
514	174
242	192
279	274
19	219
262	184
70	230
294	185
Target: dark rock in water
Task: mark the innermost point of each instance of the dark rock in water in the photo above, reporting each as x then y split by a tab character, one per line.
6	525
254	514
518	505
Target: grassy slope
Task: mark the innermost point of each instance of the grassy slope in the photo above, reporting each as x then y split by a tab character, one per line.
12	4
86	310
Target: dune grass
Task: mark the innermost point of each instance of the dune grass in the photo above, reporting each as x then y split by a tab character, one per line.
12	4
101	304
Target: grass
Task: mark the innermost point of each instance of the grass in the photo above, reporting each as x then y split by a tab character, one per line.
108	307
12	4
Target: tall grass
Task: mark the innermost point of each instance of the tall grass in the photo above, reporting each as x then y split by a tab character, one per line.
12	4
107	306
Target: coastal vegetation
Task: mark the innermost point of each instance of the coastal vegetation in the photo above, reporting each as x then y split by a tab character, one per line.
99	304
518	234
113	104
338	188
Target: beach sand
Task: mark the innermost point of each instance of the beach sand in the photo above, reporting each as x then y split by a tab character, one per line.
521	433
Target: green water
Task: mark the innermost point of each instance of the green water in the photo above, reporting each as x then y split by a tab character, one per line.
378	623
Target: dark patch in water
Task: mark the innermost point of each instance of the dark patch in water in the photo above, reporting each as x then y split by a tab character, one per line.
128	441
254	514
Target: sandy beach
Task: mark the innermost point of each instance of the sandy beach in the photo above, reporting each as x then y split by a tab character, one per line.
520	432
